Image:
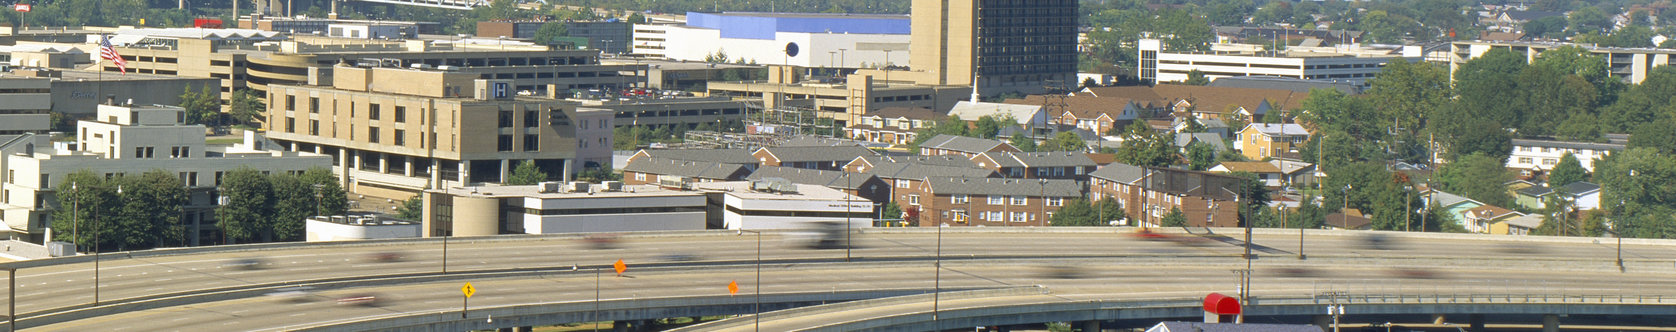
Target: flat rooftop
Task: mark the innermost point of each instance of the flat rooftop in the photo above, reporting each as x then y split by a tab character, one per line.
818	15
672	64
594	191
742	189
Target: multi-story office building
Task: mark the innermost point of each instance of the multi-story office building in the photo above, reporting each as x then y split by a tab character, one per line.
1629	64
1350	64
654	110
1008	45
612	36
25	105
395	131
76	92
845	101
276	59
133	140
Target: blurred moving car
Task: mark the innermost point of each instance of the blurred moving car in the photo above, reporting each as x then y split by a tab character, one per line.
294	294
1058	272
818	235
365	300
385	257
601	241
243	264
678	257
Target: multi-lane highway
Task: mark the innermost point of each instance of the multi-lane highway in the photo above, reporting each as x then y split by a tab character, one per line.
1092	262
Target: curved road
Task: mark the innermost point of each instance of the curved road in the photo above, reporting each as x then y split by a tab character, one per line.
1107	261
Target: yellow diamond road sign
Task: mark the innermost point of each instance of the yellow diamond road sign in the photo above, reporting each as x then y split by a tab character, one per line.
468	290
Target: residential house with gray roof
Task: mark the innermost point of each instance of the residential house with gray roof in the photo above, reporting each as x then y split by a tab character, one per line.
1038	165
725	156
831	158
1582	195
962	146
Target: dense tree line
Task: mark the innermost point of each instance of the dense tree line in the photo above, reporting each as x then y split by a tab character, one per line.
271	207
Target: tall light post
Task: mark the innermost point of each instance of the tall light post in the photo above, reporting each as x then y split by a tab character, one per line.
847	202
937	285
757	317
1245	280
1408	207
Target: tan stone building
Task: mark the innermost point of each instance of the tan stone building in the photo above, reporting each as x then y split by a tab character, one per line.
1008	45
396	131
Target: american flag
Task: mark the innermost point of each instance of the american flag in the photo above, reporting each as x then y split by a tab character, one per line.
109	53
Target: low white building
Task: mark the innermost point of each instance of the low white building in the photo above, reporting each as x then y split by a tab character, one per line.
823	40
770	204
356	228
131	140
554	207
1343	64
1532	155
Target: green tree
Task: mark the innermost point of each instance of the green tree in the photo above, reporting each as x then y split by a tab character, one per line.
1569	170
1196	77
526	174
1486	88
247	216
411	209
599	174
1200	156
551	32
327	191
1405	92
1308	215
1076	212
1589	20
82	198
636	18
1476	176
1108	209
1144	147
1656	135
893	211
986	127
150	210
201	107
1065	141
1174	219
247	107
294	201
1023	143
1640	176
1643	103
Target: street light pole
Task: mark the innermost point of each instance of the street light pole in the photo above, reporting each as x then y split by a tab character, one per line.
937	288
757	317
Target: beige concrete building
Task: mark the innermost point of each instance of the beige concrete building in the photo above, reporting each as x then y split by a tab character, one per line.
396	131
845	101
25	104
77	92
134	140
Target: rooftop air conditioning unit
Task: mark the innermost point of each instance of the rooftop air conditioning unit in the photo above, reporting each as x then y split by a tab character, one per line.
548	187
579	187
612	185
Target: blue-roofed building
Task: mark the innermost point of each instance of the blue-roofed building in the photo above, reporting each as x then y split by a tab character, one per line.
823	40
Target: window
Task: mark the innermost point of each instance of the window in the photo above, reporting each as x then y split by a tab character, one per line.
1547	149
1055	201
314	127
1550	161
46	181
290	103
372	112
142	152
1020	200
913	199
900	183
1524	160
532	142
958	199
313	105
506	119
530	119
401	114
640	176
505	143
995	216
218	177
372	134
996	200
1018	217
180	152
290	125
400	137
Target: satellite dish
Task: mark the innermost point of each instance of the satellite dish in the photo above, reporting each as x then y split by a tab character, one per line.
791	49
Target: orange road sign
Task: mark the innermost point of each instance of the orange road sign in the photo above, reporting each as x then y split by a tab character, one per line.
733	288
620	267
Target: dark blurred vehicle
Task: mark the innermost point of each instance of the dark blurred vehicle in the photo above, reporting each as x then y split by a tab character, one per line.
365	300
1297	272
1518	248
601	241
1188	240
1414	273
295	294
385	257
1058	272
243	264
678	257
1376	241
818	235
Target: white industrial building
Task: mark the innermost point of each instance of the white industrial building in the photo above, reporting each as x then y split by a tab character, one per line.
771	204
358	227
823	40
1353	64
131	140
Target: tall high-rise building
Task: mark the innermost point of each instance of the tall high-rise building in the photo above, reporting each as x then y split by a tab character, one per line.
1010	45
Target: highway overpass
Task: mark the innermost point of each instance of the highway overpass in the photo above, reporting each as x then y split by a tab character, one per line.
1019	276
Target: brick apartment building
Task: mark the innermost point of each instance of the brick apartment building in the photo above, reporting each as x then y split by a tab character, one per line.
960	201
962	146
1038	165
830	158
1147	194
